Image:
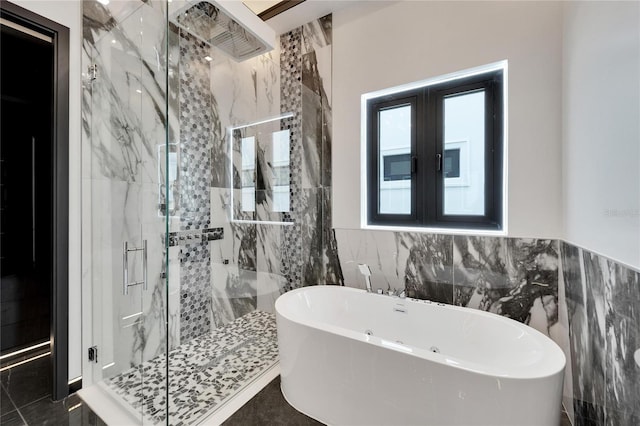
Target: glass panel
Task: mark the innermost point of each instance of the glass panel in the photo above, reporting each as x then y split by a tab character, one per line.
464	146
124	211
395	160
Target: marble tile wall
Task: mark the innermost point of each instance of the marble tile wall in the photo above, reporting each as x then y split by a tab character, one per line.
603	304
256	261
211	283
310	254
514	277
523	279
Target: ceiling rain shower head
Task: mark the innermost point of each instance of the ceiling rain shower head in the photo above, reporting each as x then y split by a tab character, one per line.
227	25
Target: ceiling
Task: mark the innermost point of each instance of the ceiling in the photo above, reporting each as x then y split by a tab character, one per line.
259	6
302	13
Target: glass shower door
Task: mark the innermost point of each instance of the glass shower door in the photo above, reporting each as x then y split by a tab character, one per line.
127	222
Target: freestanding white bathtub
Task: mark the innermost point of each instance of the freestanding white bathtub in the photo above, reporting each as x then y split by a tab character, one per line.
348	357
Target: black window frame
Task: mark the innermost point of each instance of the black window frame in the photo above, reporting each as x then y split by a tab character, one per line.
427	154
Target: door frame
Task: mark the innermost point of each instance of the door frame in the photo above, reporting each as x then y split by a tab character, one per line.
59	333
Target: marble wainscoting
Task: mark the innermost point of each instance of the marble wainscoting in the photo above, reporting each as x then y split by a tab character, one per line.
122	123
514	277
603	304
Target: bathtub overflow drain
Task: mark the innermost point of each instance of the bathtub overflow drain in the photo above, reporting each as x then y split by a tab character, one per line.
368	332
434	349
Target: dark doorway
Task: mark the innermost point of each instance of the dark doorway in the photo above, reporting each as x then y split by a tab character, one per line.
25	153
34	123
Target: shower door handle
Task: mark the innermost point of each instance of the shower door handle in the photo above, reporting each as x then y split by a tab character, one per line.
125	267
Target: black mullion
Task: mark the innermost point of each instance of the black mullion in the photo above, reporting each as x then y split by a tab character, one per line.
489	122
418	183
435	143
498	148
415	160
373	190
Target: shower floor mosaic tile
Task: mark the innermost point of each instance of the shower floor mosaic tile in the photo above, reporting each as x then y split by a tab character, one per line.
203	373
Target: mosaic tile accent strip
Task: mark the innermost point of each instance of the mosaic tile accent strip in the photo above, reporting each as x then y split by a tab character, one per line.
194	178
195	290
195	134
209	234
203	373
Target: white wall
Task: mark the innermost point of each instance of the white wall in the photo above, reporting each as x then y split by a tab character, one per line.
601	115
384	44
69	14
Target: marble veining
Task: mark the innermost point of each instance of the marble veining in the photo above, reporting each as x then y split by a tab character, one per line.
514	277
428	261
622	335
212	282
122	121
603	304
309	247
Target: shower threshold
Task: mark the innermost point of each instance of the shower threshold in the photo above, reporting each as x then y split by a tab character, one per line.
210	377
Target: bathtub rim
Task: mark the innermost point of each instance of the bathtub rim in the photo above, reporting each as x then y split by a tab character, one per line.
538	371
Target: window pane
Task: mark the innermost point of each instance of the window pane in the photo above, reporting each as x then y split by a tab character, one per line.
464	147
395	160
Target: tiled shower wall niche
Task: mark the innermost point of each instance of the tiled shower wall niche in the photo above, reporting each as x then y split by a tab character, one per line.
603	304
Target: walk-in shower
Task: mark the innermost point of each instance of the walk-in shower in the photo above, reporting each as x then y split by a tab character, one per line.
203	200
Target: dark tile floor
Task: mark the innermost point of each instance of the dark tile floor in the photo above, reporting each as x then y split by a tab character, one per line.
269	407
25	399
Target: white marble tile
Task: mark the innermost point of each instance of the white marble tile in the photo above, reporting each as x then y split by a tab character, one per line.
269	257
267	68
222	277
316	34
324	63
270	287
378	250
